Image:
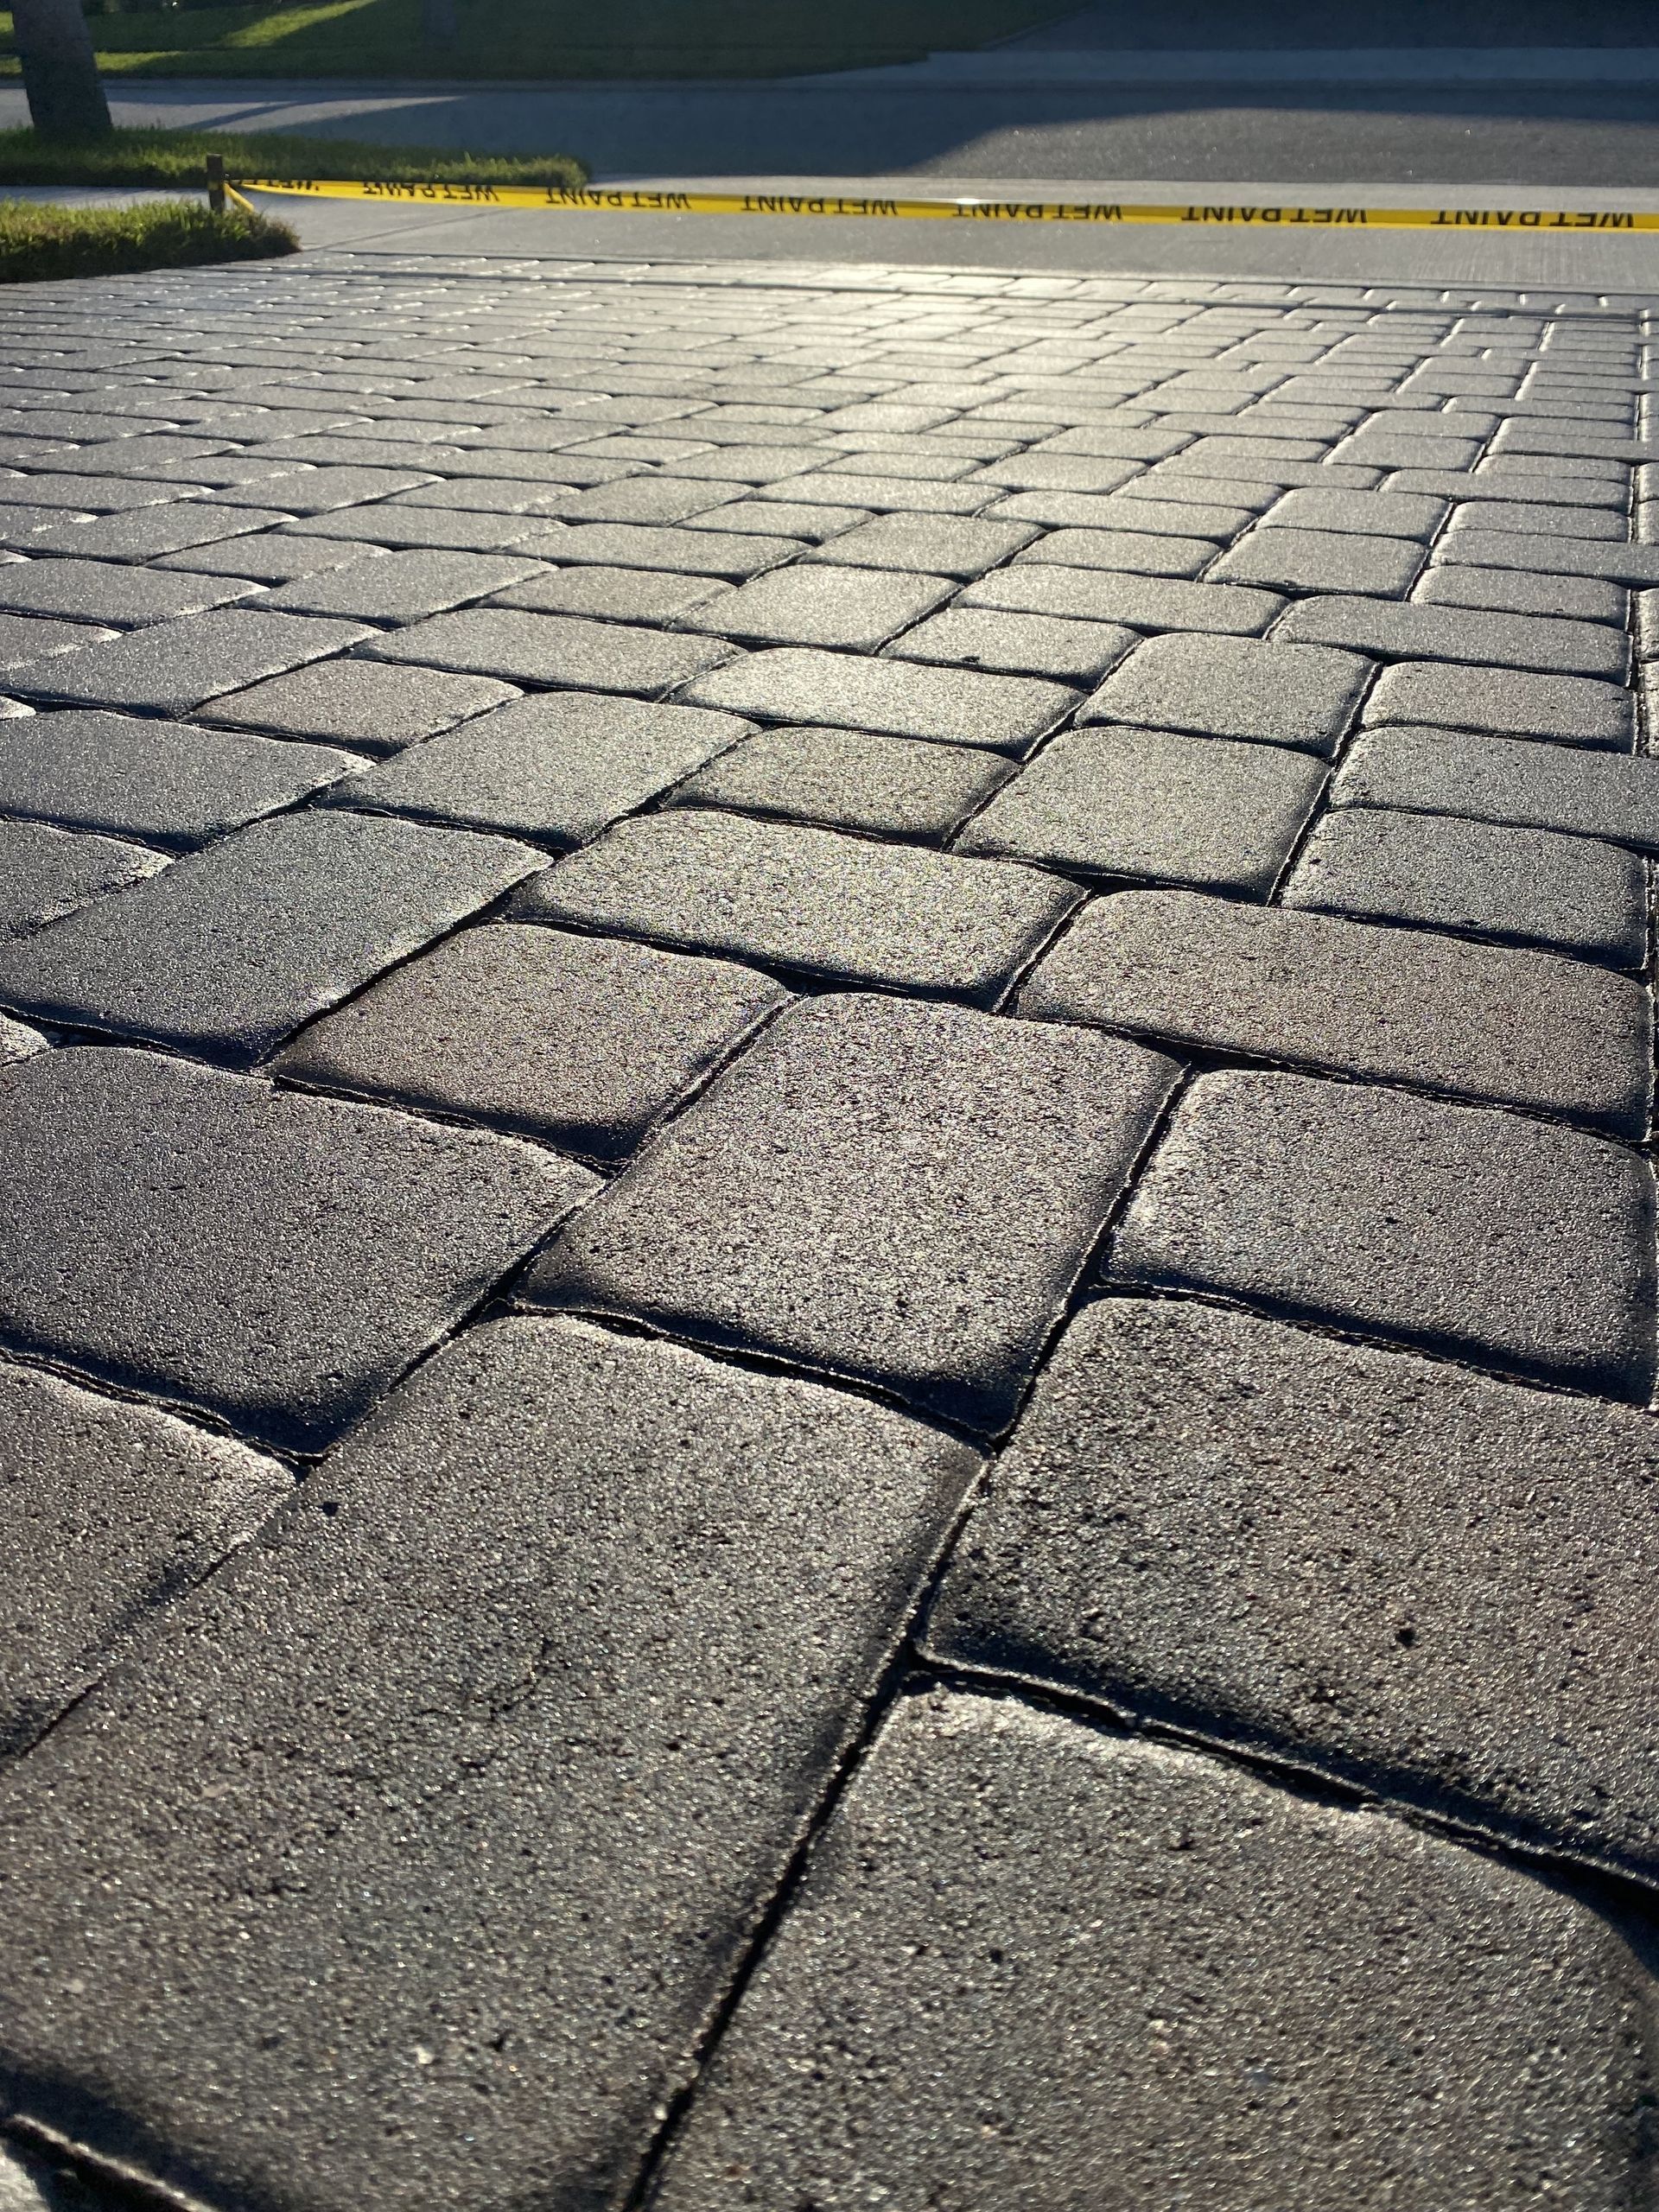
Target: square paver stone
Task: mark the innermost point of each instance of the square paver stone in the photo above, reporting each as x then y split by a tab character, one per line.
171	667
901	1192
554	651
1592	794
531	1759
230	948
46	873
557	769
580	1041
849	779
1447	1557
1114	800
1514	1242
1005	714
1026	1953
852	607
1235	687
111	1509
807	899
360	703
275	1258
1495	1022
1564	710
1531	885
136	776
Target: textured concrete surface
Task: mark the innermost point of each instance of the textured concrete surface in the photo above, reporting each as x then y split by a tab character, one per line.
661	905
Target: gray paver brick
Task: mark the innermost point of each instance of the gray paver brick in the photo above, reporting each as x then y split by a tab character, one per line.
111	1509
1509	641
263	557
171	667
858	608
557	651
230	948
610	595
1543	555
638	499
1027	1954
557	769
1514	1242
1142	602
400	587
954	706
682	552
1427	442
1506	591
1461	1566
1543	518
807	520
1120	801
849	779
1016	644
1146	553
165	782
898	1191
393	526
689	1576
109	592
1055	472
937	546
149	533
1592	794
1244	687
807	899
358	703
1565	709
46	873
18	1040
580	1041
1369	514
1481	1021
316	491
1125	511
1530	884
275	1258
1321	560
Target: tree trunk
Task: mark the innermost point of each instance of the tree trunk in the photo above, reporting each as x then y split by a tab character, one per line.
438	21
65	94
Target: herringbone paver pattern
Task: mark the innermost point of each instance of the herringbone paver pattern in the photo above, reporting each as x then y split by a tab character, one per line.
827	1254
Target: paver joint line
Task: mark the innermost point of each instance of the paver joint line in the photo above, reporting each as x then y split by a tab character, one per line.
764	1032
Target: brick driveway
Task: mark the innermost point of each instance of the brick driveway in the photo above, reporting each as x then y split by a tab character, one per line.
827	1261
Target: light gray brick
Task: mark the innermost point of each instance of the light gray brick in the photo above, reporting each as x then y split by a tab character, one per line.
1244	687
848	779
955	707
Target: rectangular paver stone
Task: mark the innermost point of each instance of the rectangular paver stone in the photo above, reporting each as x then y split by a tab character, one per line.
859	608
938	545
1565	709
1005	714
1420	633
848	779
47	873
1237	687
359	702
1592	794
1366	514
554	650
171	667
1321	560
684	1592
900	1192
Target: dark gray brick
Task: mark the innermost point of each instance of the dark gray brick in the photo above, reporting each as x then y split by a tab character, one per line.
937	545
883	1189
394	526
610	595
92	494
401	587
852	607
1511	1241
1510	641
25	638
1027	1954
849	779
1483	1022
1461	1566
275	1258
681	552
1244	687
1646	625
46	873
1530	884
557	651
1367	514
1549	491
580	1041
111	1509
171	667
1507	591
796	518
1017	645
955	706
316	491
805	899
1121	801
1566	556
359	702
267	559
1147	553
1428	441
1321	560
685	1589
1542	518
166	783
484	495
233	947
109	592
1568	442
1142	603
557	769
150	532
1503	779
1566	709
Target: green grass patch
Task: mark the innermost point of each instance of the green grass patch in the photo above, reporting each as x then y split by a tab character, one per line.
168	158
40	243
548	40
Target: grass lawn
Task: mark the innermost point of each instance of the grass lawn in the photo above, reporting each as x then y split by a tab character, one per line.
164	157
539	40
42	243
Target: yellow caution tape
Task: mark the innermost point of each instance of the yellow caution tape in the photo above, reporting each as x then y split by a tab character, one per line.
630	202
